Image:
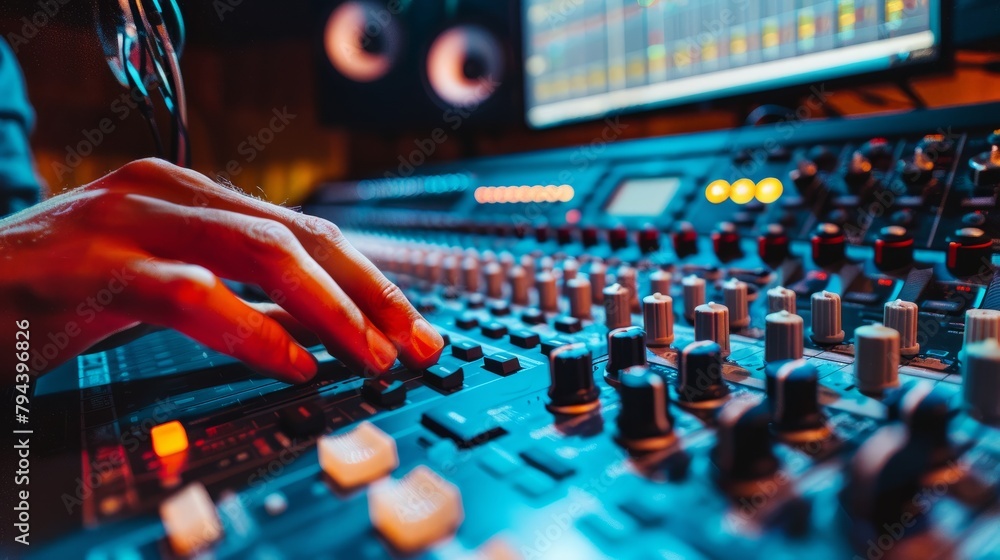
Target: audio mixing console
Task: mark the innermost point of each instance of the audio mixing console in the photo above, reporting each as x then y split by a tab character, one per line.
800	361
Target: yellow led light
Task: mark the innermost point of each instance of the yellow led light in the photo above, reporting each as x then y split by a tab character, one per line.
168	438
717	192
769	190
742	191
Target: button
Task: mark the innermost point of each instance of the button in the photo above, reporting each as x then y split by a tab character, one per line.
551	344
466	321
384	392
502	363
464	429
494	329
444	377
475	301
415	511
357	457
302	419
533	316
546	460
524	338
466	350
168	438
568	325
498	462
189	520
499	308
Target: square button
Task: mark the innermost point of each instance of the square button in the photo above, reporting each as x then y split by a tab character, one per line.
525	338
494	329
466	350
444	377
502	363
568	325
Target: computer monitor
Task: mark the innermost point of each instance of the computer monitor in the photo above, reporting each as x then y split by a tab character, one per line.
585	59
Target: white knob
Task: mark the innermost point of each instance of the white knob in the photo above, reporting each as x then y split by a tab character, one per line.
902	316
659	282
780	299
826	327
876	358
734	293
980	325
711	322
783	337
981	380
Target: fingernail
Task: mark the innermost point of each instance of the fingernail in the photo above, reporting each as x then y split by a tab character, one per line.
426	342
382	351
302	361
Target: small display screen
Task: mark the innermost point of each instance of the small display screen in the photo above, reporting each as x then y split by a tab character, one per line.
643	197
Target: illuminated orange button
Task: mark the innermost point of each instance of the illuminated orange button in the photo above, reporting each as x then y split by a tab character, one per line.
169	438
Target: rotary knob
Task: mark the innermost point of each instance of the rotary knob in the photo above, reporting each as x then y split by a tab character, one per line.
780	299
627	277
985	167
618	237
694	295
626	348
711	322
685	240
876	359
806	179
570	269
893	248
617	313
734	293
507	262
782	336
528	264
969	252
548	292
578	293
494	280
470	274
571	374
518	279
649	239
659	282
644	421
726	242
793	399
590	236
564	235
598	274
772	247
826	327
699	379
859	173
743	450
926	412
980	325
902	317
828	245
658	318
452	273
981	381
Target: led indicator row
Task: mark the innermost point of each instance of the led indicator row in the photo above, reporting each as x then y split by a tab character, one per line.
743	191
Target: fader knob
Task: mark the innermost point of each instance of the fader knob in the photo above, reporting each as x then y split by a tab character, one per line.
685	240
571	388
782	336
626	348
734	293
658	318
772	247
876	359
548	292
694	295
828	245
969	252
981	381
659	282
792	396
644	421
826	327
893	248
598	274
980	325
902	316
518	279
699	379
617	312
494	280
780	299
711	322
578	293
743	451
628	278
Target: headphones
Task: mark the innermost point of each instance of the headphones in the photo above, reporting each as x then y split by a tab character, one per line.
142	41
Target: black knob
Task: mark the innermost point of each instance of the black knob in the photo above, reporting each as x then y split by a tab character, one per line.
699	381
649	239
893	248
542	233
879	152
743	449
571	375
793	400
564	235
970	253
590	236
824	158
806	179
726	242
828	245
937	148
985	167
618	237
925	411
773	245
644	421
626	348
859	173
685	240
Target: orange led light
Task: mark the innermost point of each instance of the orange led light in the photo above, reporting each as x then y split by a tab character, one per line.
717	192
168	438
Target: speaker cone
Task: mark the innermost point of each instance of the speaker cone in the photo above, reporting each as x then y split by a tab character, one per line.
362	40
465	65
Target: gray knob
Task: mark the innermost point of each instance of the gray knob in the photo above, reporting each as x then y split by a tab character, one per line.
548	292
470	274
658	319
528	263
617	313
981	381
826	327
876	359
980	325
451	270
694	295
571	267
902	316
578	293
780	299
494	280
734	293
518	279
711	322
627	277
659	282
783	336
598	280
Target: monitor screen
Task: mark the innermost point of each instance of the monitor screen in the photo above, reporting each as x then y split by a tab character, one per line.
584	59
643	197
